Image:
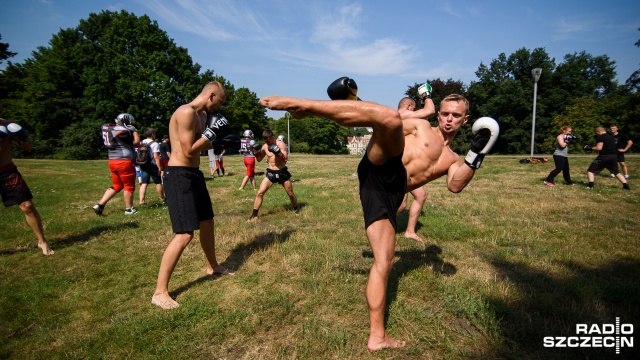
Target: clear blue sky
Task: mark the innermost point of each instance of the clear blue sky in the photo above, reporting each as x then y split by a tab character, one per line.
297	47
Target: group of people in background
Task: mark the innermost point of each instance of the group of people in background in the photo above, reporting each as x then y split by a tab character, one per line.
123	141
611	148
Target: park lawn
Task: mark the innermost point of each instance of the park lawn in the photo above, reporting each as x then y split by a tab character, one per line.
507	262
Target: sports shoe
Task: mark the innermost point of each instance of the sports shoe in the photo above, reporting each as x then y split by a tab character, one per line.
589	187
613	176
626	176
97	208
549	183
130	211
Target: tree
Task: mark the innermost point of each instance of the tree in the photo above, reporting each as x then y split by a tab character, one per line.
633	82
110	63
505	92
4	51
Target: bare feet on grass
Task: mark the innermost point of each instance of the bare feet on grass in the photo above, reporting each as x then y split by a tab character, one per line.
220	270
46	250
413	236
164	301
385	343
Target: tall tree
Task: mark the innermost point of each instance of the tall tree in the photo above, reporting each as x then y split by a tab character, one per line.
4	51
112	62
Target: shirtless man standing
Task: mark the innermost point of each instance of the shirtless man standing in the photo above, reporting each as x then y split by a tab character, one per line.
190	132
13	188
406	108
277	172
385	176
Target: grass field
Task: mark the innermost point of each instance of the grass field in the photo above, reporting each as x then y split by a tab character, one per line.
507	262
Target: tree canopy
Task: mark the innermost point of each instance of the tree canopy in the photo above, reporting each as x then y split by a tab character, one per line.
115	62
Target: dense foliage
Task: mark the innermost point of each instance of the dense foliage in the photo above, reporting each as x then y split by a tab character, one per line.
116	62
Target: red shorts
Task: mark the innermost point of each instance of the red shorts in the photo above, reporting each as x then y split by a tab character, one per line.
250	163
123	175
163	164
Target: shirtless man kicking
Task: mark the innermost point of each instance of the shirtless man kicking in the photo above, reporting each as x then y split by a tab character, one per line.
383	177
188	200
13	188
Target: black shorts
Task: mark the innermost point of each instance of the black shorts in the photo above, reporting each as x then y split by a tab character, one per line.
187	196
278	176
609	162
382	189
13	188
620	157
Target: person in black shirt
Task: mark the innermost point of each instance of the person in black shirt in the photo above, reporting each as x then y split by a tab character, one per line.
606	159
624	143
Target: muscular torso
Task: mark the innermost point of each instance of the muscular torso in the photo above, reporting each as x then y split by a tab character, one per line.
274	162
426	156
185	127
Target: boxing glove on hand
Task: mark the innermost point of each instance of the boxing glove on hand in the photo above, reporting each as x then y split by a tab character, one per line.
256	146
486	131
215	124
587	147
424	91
276	151
3	132
570	139
343	89
17	130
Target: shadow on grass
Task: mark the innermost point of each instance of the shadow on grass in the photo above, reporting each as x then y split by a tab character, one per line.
239	256
74	239
548	306
410	260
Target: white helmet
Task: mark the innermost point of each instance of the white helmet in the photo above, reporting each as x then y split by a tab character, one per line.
248	133
125	119
281	138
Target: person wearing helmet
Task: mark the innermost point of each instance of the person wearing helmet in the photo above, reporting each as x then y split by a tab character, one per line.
123	138
249	158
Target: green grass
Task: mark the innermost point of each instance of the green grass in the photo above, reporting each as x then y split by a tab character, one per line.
507	262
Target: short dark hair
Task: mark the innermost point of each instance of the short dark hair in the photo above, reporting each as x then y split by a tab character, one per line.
267	134
148	132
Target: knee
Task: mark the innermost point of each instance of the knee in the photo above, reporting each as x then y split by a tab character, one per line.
117	188
27	207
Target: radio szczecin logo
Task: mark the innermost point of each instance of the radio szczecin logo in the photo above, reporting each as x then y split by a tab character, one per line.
595	336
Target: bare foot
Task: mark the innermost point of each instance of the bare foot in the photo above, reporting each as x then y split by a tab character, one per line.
386	343
46	250
220	270
413	236
164	301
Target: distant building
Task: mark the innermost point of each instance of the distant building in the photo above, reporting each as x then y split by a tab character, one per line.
358	144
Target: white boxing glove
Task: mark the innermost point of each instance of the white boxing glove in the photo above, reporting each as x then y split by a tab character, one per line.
3	132
424	91
17	130
486	131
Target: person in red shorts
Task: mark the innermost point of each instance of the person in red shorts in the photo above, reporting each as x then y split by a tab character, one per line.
249	158
13	188
123	172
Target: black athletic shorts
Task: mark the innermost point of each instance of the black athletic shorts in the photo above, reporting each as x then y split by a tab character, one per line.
382	189
278	176
609	162
187	198
13	188
620	157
